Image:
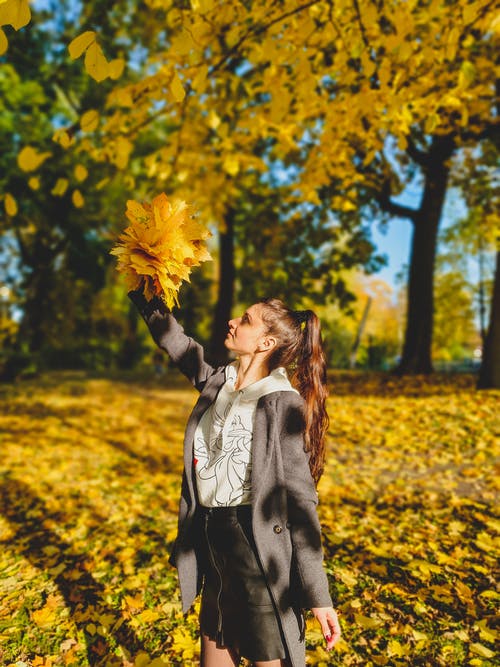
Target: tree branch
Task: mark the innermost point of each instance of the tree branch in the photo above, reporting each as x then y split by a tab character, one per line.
490	130
23	249
417	155
397	210
361	24
258	30
253	30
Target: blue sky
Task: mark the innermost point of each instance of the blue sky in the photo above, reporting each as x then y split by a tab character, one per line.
395	244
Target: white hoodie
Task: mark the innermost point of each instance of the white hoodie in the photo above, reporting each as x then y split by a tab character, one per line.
223	439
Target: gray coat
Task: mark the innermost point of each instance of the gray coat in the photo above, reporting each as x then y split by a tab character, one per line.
284	519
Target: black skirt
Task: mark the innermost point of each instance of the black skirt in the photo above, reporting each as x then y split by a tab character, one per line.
237	610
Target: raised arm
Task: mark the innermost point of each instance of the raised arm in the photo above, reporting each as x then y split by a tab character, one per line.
185	353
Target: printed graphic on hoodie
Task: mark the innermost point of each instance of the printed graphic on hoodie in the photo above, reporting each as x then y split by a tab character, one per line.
223	440
226	467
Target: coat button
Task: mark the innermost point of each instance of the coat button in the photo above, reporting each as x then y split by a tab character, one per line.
277	529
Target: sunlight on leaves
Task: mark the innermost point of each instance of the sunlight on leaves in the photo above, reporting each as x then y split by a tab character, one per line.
4	44
16	13
88	509
160	247
81	43
29	159
10	204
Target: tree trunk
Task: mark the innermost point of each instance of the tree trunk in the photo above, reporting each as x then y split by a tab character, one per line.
355	347
489	374
131	349
416	357
222	315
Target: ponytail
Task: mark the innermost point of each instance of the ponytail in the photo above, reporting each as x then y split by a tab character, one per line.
300	350
310	380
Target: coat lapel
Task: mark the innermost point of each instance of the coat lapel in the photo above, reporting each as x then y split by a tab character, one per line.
262	450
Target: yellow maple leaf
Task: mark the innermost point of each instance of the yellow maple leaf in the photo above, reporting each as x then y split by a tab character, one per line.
184	644
160	247
45	617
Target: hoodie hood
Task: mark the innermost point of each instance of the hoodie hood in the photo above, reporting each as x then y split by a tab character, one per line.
277	380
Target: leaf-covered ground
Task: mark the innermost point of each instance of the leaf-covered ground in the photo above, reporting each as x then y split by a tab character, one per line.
89	479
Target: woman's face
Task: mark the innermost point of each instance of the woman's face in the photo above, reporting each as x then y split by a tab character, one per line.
247	333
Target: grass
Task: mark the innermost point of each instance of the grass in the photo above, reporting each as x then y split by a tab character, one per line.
89	482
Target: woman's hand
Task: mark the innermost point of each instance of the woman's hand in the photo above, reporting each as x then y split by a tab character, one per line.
329	622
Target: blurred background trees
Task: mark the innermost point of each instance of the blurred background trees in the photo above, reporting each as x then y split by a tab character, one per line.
293	127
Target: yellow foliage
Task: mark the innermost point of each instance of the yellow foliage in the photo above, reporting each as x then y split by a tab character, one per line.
16	13
95	62
4	44
486	632
77	199
481	650
231	165
116	67
183	644
60	187
367	622
177	89
47	615
395	648
222	114
10	204
160	247
147	616
89	120
29	159
121	152
81	172
62	138
81	43
86	547
133	602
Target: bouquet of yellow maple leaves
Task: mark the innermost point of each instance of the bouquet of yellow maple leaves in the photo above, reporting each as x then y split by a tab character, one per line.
160	247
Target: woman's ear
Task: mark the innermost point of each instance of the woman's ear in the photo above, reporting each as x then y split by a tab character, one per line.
268	343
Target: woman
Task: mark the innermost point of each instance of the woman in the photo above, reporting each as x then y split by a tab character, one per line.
248	533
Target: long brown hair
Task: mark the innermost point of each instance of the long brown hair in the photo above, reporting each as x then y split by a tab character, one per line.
300	351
